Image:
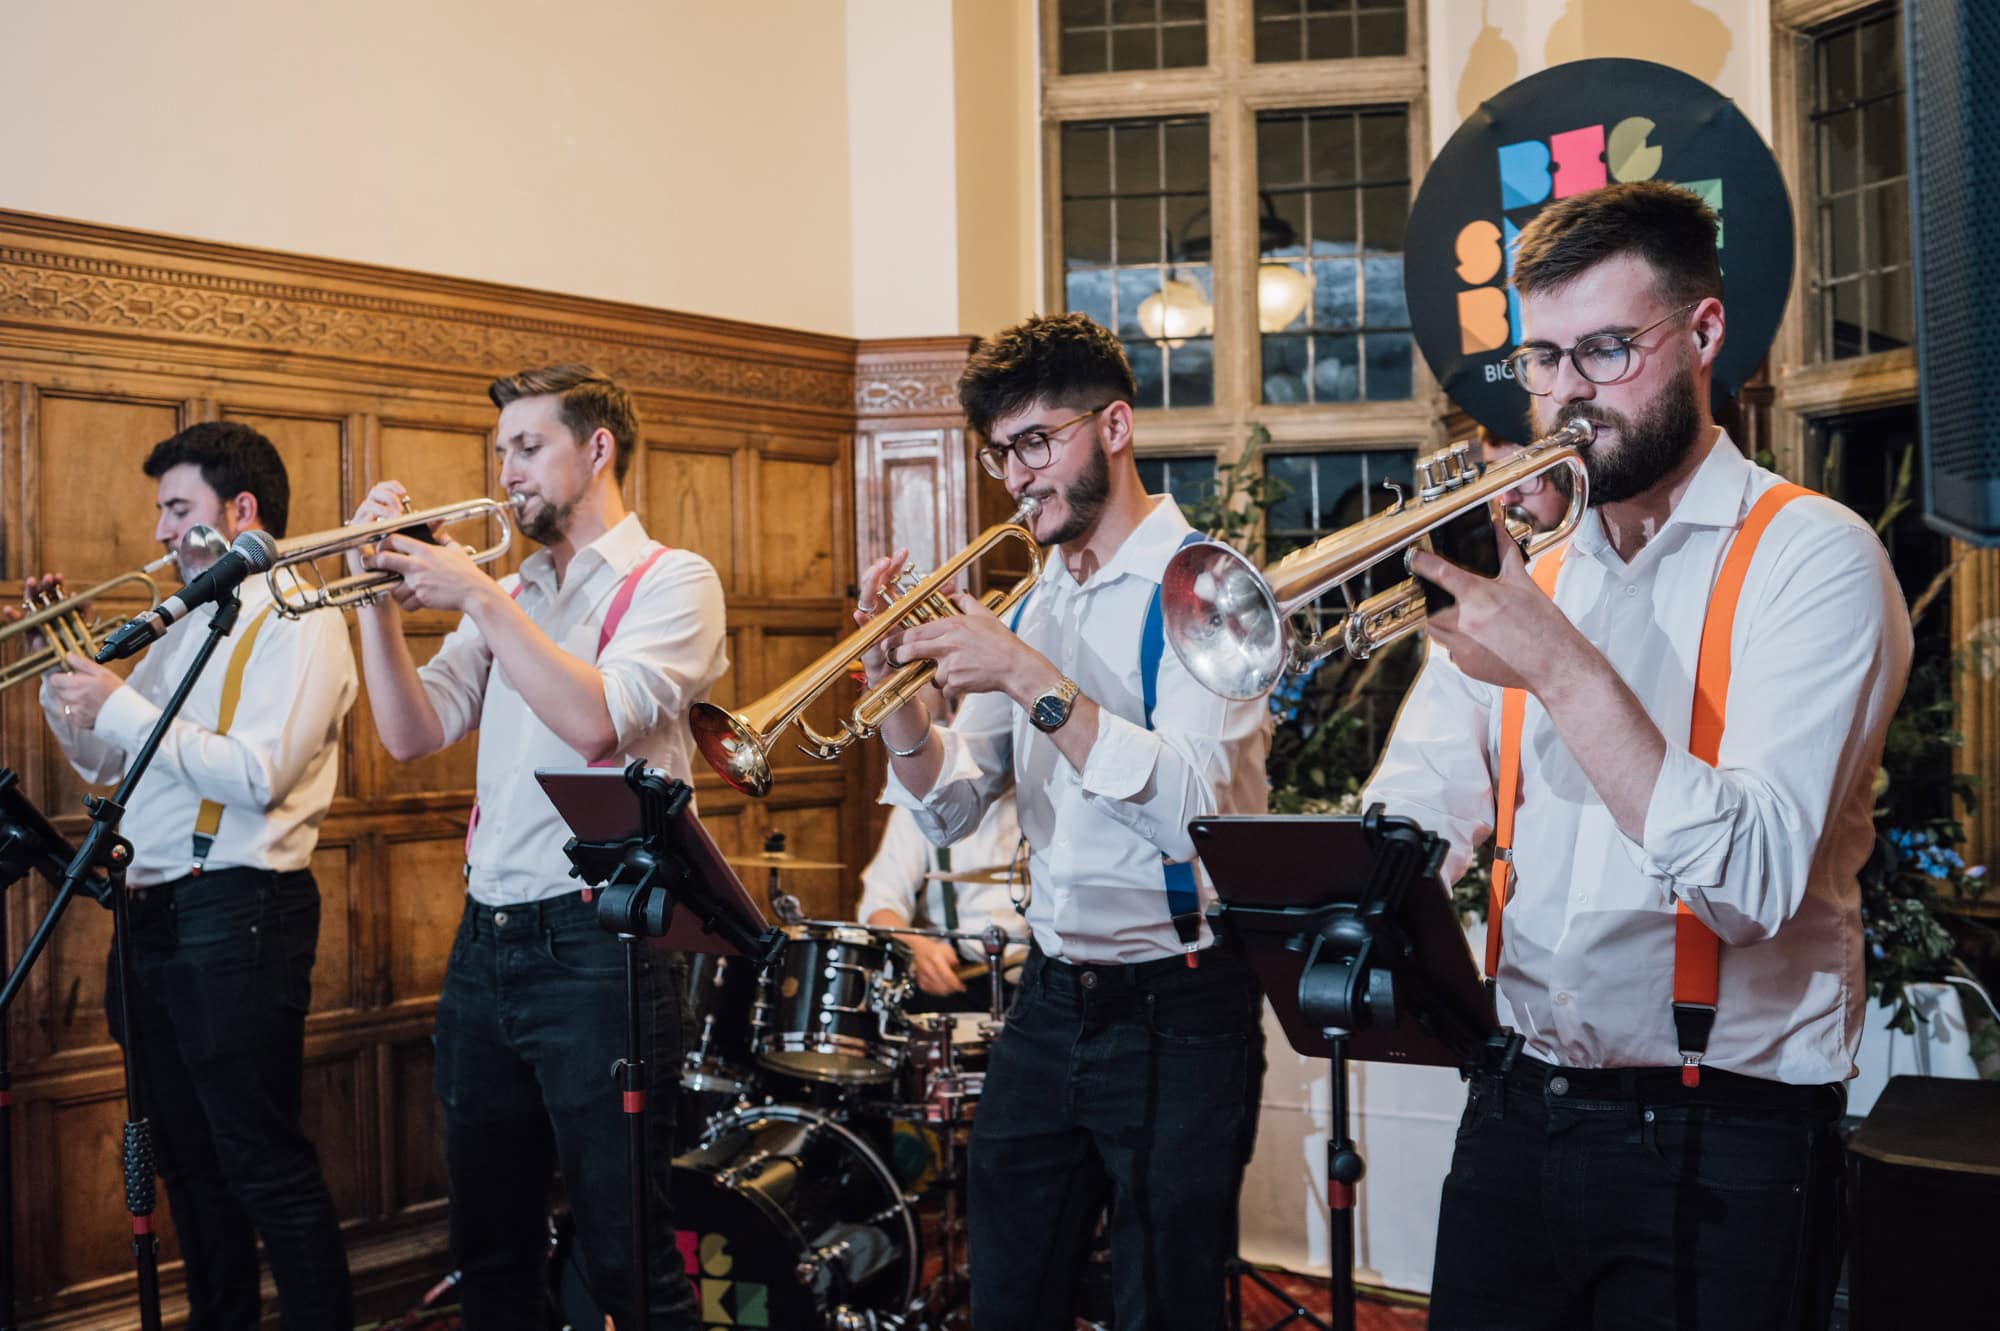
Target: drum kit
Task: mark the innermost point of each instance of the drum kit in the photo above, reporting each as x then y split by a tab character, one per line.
814	1109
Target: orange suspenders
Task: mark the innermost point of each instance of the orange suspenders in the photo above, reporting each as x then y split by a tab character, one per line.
1696	948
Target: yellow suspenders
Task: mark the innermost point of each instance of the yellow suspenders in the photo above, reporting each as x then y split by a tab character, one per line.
209	819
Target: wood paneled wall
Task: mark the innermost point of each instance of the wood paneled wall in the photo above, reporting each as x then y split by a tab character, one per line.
110	341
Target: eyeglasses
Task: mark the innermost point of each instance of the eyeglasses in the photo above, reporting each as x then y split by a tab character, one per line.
1601	358
1031	447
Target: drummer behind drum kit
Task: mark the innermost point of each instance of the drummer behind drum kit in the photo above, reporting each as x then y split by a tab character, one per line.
794	1204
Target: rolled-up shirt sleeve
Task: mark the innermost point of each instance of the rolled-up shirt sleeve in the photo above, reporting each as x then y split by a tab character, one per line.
668	649
1157	781
977	766
1438	767
1820	663
454	679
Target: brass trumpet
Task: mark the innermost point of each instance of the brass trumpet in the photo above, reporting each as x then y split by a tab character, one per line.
303	588
738	744
62	621
1229	622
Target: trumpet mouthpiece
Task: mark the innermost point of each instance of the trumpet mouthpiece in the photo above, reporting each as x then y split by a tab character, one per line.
1026	508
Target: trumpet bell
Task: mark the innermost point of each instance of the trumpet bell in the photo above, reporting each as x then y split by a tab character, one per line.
731	747
1223	621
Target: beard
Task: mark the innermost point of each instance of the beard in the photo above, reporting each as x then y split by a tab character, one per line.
1650	444
549	522
1083	498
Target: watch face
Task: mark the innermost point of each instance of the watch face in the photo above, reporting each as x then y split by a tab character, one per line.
1049	711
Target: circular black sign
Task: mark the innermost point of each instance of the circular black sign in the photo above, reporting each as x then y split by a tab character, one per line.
1565	130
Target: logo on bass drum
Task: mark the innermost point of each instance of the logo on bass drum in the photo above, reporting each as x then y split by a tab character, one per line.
724	1302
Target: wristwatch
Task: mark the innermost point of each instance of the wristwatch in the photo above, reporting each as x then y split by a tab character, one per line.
1051	707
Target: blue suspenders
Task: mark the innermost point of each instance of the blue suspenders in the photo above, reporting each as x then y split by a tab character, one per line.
1183	897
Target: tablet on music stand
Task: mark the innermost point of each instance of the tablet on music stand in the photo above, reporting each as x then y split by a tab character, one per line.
602	808
1281	876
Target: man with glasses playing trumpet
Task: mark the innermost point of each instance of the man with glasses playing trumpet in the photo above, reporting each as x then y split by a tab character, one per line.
1671	729
224	910
594	653
1125	1065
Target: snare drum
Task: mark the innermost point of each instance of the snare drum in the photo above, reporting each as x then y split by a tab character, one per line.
827	1010
944	1065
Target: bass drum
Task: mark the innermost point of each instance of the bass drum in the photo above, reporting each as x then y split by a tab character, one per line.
787	1218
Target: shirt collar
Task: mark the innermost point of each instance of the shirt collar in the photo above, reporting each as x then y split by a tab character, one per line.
621	546
1714	498
1144	552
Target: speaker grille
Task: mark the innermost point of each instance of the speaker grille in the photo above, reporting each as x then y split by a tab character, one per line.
1953	55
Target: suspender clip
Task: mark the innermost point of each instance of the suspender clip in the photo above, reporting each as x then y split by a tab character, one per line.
1692	1023
1690	1068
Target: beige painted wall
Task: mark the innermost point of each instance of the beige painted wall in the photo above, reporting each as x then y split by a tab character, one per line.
689	154
1478	47
999	176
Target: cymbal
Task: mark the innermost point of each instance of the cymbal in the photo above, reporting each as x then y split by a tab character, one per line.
992	873
779	859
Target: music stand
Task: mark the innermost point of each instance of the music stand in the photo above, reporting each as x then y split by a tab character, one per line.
28	841
1355	964
640	846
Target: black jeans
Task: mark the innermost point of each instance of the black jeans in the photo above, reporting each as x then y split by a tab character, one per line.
530	1024
1132	1084
222	977
1620	1199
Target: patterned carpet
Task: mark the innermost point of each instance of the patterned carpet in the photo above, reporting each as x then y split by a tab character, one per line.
1264	1311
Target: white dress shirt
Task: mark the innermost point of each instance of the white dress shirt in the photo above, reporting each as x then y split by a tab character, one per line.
667	652
1098	892
894	879
273	773
1763	847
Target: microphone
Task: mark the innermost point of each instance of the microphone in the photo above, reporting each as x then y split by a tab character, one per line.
252	552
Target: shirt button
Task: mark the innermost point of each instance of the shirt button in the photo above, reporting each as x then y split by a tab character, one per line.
1558	1085
1631	591
499	917
1562	1000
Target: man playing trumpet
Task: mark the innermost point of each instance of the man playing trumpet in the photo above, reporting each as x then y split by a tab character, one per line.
224	910
1127	1062
593	653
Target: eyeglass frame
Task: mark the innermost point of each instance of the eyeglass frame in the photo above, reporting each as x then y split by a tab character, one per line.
1625	341
993	457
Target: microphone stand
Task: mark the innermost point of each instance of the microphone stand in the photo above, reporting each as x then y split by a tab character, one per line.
104	849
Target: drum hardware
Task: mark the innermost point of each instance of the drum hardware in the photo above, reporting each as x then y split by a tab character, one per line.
738	744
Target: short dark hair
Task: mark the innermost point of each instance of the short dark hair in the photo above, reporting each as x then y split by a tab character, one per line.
233	458
591	401
1062	359
1667	226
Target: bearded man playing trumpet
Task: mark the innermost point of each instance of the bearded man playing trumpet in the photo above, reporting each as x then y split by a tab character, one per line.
1126	1064
224	910
1671	729
592	654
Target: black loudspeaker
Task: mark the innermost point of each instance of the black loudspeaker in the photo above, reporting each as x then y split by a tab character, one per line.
1952	73
1924	1197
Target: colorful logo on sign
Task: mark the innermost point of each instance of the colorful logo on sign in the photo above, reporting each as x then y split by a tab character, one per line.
1565	131
725	1302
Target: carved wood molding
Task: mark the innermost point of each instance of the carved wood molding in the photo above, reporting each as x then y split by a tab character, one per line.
60	289
910	376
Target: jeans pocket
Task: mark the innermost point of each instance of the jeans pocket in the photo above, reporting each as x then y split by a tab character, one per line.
1196	1020
1721	1151
591	953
